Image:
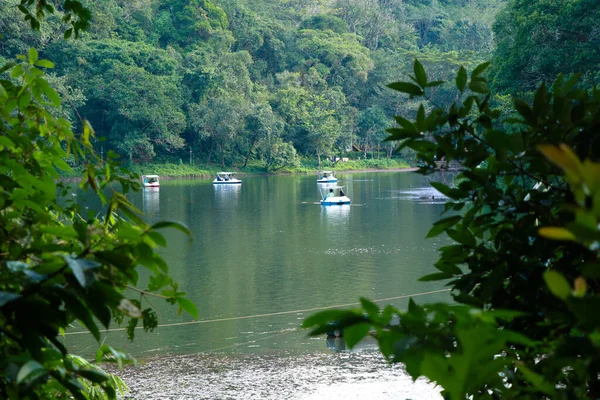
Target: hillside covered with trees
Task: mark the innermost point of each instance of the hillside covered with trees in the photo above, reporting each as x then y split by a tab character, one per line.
261	81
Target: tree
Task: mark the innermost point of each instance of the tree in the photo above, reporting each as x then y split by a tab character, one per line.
310	115
524	264
371	127
57	265
535	41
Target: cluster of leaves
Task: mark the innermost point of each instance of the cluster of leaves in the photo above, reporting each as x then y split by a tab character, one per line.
75	14
60	265
524	325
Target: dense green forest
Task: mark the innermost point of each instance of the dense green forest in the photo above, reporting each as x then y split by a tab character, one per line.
270	82
239	81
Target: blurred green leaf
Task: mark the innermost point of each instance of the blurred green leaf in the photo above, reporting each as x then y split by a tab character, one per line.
355	333
557	284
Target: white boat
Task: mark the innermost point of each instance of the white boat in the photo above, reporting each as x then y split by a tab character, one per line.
327	177
150	181
333	196
226	178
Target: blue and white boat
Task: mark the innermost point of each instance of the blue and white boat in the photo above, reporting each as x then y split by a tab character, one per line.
333	196
150	181
226	178
327	177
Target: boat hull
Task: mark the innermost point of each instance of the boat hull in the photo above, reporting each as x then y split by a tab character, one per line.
335	201
151	185
227	182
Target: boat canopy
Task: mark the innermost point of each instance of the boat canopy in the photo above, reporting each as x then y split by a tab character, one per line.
226	176
337	190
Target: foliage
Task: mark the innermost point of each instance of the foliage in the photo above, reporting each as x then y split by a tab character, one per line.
59	265
148	73
523	325
538	40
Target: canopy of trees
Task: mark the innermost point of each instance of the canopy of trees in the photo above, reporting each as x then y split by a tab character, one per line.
156	77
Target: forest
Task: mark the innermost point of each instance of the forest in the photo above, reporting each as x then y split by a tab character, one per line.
235	81
240	81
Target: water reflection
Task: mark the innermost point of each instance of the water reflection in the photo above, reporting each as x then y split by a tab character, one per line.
337	214
335	343
151	203
227	194
422	195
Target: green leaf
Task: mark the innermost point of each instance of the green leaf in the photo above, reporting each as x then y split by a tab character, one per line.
557	284
355	333
77	270
443	224
324	317
93	375
461	79
462	236
7	66
7	297
480	69
79	266
370	307
44	64
158	239
420	75
188	306
173	224
437	276
68	33
6	143
435	83
555	233
33	55
448	267
537	380
406	124
525	111
50	93
3	93
479	86
30	371
444	189
406	87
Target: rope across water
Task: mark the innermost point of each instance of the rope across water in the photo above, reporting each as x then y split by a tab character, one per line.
207	321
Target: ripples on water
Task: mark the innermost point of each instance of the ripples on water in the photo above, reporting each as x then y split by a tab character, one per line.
361	375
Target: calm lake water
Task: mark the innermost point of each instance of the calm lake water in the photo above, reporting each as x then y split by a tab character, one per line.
264	256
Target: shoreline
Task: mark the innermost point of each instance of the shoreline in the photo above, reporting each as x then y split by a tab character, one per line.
249	173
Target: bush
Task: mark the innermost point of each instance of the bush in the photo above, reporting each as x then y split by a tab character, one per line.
524	265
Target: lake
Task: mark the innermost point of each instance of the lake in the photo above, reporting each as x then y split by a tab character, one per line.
264	256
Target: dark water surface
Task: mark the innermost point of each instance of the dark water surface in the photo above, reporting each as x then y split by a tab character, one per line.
263	253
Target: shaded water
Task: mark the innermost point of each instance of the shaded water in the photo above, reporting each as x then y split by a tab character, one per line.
263	253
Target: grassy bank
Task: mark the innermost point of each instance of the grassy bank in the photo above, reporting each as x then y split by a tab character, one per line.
306	167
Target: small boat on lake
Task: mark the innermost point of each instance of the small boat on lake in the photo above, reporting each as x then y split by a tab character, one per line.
150	181
226	178
333	196
327	177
